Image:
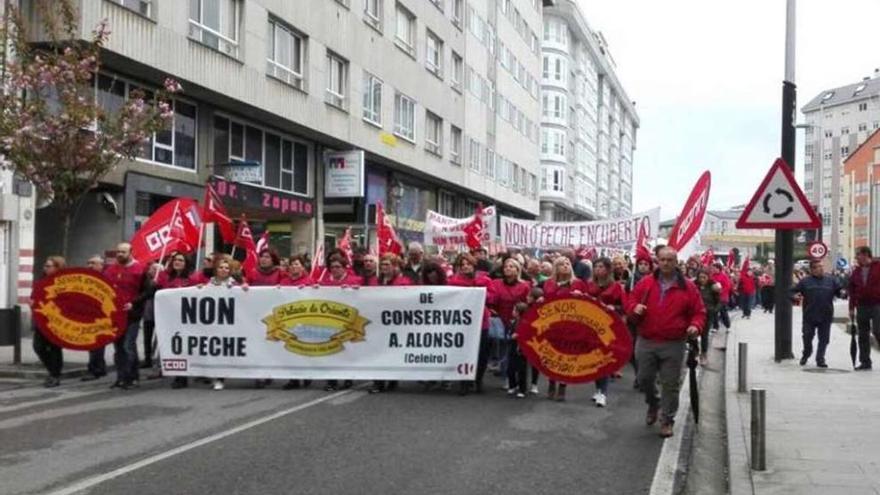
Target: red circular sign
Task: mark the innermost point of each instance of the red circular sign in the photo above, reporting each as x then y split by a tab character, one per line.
78	309
574	339
817	250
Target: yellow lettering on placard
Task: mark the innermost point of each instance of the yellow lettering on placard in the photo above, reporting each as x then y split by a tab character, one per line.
319	313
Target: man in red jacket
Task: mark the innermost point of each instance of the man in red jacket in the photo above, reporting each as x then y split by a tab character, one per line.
127	277
670	310
864	302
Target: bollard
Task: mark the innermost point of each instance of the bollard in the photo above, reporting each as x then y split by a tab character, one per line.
759	428
742	367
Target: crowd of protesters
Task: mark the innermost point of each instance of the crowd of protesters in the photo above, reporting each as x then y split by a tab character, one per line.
663	300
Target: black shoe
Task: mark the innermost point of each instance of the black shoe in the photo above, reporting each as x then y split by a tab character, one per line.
179	382
347	384
116	384
51	382
307	383
804	360
146	365
376	390
291	385
330	388
863	367
89	378
126	385
821	365
260	384
464	388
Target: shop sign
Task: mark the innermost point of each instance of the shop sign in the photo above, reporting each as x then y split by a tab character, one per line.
251	197
344	174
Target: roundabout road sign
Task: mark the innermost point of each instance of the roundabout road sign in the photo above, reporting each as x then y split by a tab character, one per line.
817	250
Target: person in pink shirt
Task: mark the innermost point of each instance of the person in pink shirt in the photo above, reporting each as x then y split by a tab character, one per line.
721	278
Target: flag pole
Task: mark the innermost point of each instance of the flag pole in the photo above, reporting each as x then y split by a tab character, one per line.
199	247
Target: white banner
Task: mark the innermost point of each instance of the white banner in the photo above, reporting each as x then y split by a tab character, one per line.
611	233
381	333
447	232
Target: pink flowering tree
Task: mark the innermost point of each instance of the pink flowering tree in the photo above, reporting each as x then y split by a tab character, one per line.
53	129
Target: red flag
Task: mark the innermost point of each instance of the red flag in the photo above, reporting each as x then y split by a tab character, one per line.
263	243
745	267
174	227
731	260
318	268
387	238
643	252
244	239
344	245
215	212
474	229
708	257
691	218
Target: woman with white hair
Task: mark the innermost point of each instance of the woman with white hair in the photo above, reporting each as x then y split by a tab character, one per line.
508	290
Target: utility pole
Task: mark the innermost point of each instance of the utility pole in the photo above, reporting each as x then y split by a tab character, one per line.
785	238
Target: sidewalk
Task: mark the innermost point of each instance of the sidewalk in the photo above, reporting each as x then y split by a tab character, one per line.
75	362
822	433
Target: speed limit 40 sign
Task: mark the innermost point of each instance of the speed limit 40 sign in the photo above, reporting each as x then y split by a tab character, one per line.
817	250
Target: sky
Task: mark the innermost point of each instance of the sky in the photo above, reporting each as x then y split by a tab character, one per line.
706	76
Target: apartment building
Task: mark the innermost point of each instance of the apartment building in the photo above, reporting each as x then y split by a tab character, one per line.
861	200
588	123
837	121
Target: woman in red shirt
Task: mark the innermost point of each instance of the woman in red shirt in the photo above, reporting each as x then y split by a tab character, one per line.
612	295
508	291
223	278
178	275
466	275
338	276
562	283
297	276
389	275
268	273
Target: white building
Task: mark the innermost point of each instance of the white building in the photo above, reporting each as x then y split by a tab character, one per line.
441	95
588	124
838	120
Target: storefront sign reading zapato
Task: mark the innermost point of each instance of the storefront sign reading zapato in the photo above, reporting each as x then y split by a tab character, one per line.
574	339
78	309
371	333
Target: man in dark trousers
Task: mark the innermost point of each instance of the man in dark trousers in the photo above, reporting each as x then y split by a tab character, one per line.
817	293
864	302
127	277
669	310
97	365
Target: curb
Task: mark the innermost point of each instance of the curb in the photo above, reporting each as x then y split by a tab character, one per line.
670	475
39	373
738	461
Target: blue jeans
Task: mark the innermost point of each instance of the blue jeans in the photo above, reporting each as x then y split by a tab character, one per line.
126	355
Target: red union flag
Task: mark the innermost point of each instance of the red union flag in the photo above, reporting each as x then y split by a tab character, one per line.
691	218
344	245
474	229
642	249
387	238
216	213
244	239
173	228
318	267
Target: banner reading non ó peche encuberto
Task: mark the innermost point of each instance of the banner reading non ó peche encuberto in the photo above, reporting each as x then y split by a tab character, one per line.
609	233
380	333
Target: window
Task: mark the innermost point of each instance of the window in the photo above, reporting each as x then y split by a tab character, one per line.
457	12
829	134
863	127
373	13
533	186
372	99
215	23
175	145
844	131
490	163
140	6
455	145
337	81
523	181
514	184
558	182
863	107
475	155
434	54
404	117
405	32
457	70
844	151
286	54
433	134
284	161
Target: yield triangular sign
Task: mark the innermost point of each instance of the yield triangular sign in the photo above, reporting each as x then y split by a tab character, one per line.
779	203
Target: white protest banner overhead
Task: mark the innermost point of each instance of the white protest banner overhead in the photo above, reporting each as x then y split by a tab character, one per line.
609	233
379	333
448	232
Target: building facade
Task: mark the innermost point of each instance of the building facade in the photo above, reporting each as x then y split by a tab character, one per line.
862	186
838	121
588	124
719	233
441	96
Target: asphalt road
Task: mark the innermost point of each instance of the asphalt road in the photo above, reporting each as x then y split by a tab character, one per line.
84	438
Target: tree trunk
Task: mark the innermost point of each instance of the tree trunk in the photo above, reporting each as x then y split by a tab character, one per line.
66	218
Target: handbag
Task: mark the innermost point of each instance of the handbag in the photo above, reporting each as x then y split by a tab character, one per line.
496	328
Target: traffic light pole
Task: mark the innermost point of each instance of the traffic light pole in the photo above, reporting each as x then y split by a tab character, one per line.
785	238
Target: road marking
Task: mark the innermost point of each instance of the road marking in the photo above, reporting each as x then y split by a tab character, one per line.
96	480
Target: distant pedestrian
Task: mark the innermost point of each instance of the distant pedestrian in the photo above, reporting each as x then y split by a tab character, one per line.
864	302
97	366
517	367
723	280
50	354
710	292
746	293
670	310
817	293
